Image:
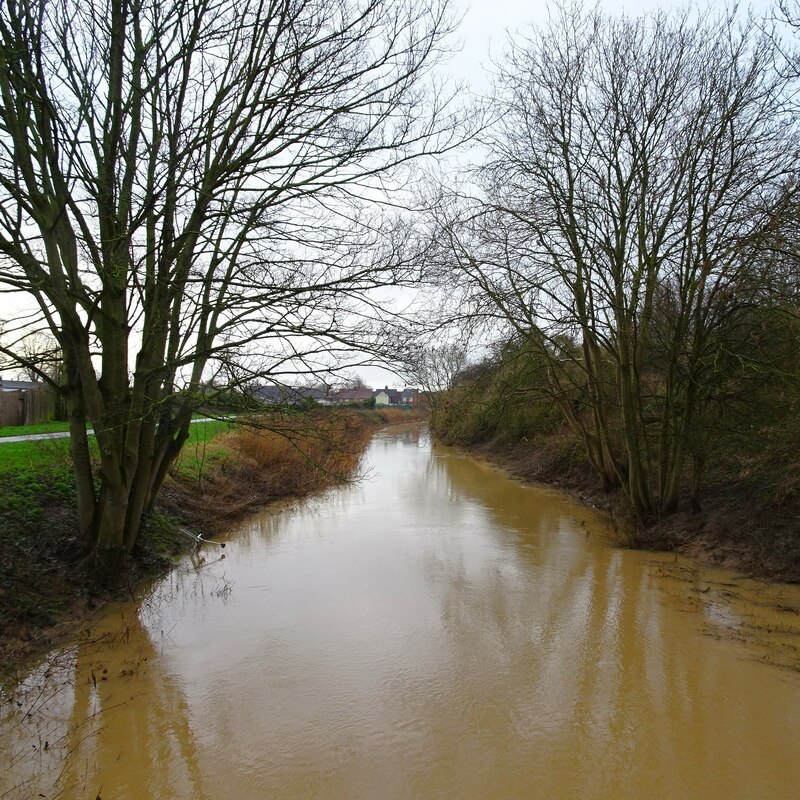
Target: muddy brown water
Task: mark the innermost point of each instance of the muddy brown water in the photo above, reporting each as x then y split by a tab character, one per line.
435	631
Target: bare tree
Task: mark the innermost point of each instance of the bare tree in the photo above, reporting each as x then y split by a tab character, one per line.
435	368
39	358
635	164
352	380
184	194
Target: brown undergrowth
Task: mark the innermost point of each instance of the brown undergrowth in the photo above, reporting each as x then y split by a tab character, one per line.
268	459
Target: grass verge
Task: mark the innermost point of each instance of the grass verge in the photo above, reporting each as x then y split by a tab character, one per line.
27	430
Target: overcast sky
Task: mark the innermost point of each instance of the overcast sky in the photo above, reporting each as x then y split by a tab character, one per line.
483	34
486	22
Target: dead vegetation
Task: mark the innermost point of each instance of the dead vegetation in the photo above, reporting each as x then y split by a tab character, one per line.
266	459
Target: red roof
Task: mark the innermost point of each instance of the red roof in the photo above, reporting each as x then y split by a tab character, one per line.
346	395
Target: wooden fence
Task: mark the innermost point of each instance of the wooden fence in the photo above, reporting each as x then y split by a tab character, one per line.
25	406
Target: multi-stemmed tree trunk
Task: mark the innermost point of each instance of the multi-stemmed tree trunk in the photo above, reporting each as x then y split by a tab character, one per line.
181	197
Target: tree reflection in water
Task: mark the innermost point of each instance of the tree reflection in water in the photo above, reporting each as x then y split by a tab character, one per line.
102	719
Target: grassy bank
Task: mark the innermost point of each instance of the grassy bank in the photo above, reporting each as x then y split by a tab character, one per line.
226	470
265	460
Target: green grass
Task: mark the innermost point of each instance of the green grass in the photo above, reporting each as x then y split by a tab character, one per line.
60	427
26	494
42	427
206	431
200	452
37	536
34	456
44	453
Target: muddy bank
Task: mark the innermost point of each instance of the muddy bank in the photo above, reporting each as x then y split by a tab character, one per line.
736	527
45	598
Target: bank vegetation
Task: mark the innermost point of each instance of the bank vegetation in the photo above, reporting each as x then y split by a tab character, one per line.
200	195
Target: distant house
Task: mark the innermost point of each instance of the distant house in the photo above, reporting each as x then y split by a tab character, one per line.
396	397
387	397
276	394
383	397
409	397
351	395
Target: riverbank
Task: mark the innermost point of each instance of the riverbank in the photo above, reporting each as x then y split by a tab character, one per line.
737	527
219	479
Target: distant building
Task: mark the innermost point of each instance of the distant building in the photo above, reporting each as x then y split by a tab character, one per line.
387	397
351	395
409	397
275	394
20	386
396	397
383	397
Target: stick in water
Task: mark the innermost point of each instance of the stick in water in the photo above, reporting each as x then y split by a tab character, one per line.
199	539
